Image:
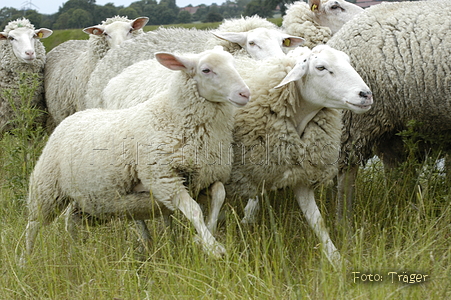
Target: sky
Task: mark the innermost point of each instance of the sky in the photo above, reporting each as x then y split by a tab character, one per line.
51	6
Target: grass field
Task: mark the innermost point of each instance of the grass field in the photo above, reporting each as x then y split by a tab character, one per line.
399	247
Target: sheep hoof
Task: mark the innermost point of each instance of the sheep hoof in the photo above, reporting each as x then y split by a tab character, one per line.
215	249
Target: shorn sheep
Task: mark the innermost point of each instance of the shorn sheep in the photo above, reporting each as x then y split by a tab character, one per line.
289	134
158	152
69	65
402	50
21	51
252	36
318	20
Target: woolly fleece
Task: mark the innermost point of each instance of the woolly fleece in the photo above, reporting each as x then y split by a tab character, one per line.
10	70
299	21
268	150
149	144
402	52
164	40
68	69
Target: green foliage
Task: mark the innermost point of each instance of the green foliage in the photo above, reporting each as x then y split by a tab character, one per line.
22	144
83	13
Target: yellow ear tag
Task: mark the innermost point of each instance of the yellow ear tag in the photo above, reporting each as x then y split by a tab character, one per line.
314	7
40	35
286	42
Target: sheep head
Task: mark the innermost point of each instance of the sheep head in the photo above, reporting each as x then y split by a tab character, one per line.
262	43
333	13
118	31
325	78
22	39
215	74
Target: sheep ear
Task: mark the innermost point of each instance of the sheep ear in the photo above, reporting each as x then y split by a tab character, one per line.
174	62
95	30
315	5
299	71
43	33
234	37
139	23
3	36
292	41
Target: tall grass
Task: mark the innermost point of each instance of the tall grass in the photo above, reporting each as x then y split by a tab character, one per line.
401	228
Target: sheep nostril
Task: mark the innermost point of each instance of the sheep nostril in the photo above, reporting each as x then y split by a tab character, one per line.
365	94
245	95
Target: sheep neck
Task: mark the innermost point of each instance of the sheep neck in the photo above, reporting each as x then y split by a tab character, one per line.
305	112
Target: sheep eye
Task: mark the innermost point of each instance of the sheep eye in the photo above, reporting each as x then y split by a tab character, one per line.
11	38
320	68
131	30
206	71
335	7
252	43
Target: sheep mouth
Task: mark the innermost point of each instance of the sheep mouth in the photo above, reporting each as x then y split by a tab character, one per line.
238	104
361	106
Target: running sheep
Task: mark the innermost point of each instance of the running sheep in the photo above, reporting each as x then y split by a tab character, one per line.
402	50
249	36
318	20
21	51
70	64
289	134
157	153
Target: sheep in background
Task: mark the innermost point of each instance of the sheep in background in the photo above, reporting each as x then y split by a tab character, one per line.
156	150
69	65
21	51
318	20
252	36
289	134
402	51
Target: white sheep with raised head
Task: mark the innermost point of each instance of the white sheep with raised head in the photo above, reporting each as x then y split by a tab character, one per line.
21	51
317	20
158	154
402	50
70	64
288	136
249	36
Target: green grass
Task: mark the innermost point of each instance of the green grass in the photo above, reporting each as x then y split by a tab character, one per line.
402	227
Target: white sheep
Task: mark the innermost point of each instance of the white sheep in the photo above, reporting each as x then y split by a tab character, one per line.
21	51
402	51
318	20
289	134
154	154
252	36
69	65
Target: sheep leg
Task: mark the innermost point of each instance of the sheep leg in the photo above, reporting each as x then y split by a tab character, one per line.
306	199
346	186
217	193
251	210
191	209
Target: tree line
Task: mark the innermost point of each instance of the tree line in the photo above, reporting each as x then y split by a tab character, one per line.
83	13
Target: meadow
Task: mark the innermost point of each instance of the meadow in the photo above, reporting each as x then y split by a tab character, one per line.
398	246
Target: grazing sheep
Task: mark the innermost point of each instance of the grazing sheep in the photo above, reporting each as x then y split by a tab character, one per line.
70	64
252	36
318	20
289	134
21	51
154	154
402	51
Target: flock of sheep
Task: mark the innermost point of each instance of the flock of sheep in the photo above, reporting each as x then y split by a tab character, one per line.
144	123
